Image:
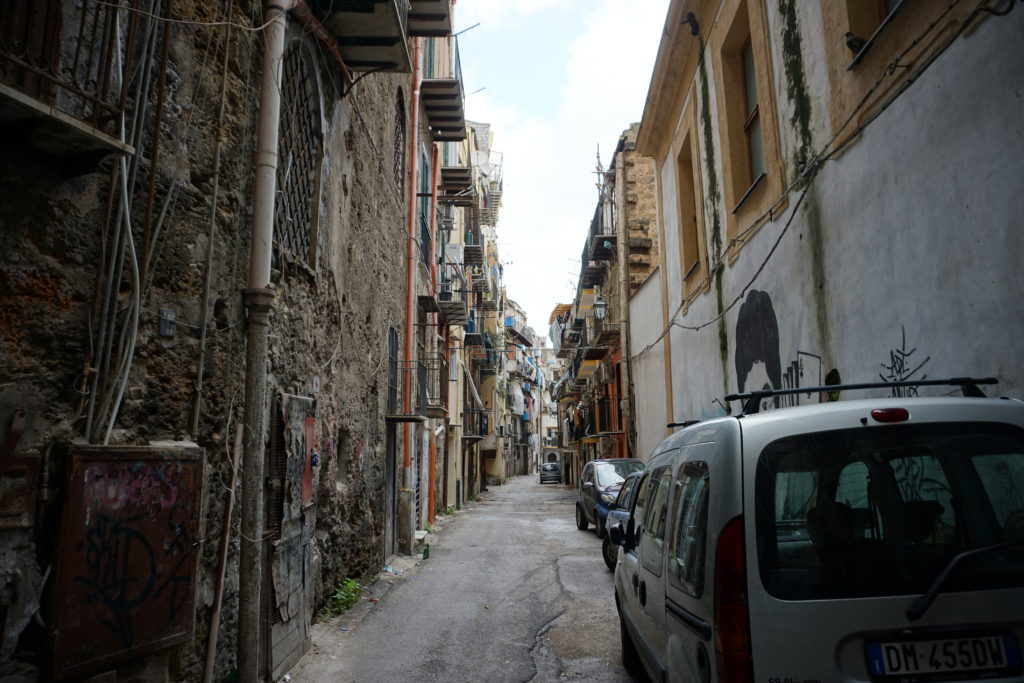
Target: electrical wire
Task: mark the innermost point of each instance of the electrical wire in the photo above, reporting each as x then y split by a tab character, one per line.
810	172
186	22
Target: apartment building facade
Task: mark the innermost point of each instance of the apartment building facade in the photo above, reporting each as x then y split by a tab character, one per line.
595	391
834	201
189	332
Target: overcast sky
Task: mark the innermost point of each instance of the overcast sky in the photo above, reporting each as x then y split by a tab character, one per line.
559	78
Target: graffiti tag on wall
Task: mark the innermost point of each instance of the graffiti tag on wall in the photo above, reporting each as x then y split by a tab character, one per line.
126	578
901	368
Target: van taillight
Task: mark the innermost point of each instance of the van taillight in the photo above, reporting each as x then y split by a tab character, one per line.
890	414
732	621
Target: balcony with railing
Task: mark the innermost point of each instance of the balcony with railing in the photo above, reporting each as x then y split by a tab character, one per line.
426	382
430	18
607	417
371	35
475	424
444	103
474	336
570	341
473	249
602	238
456	184
517	328
452	299
435	377
407	391
486	358
605	332
63	83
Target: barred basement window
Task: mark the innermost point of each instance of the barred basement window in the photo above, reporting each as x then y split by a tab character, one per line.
400	143
300	151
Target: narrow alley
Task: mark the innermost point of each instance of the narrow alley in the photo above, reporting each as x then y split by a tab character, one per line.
511	591
301	301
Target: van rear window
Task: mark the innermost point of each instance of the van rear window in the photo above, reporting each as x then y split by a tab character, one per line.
882	510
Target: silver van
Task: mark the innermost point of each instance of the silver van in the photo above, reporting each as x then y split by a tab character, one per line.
862	540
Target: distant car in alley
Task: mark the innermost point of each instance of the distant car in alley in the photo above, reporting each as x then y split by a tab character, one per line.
598	487
550	471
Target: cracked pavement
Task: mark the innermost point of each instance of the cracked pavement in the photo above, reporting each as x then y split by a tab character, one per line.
512	591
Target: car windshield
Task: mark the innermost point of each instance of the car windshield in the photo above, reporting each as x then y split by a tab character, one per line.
880	511
614	473
550	466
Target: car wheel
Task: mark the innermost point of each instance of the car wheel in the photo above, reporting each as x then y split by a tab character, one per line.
610	553
630	657
581	521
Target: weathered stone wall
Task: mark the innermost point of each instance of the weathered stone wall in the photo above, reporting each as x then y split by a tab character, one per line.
641	213
328	332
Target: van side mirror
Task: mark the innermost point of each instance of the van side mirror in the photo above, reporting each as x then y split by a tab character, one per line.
616	534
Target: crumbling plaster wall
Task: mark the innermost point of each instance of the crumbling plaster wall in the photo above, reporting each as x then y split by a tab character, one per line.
641	220
332	325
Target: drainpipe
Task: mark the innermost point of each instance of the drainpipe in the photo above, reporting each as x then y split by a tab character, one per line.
434	171
622	256
406	513
258	298
435	163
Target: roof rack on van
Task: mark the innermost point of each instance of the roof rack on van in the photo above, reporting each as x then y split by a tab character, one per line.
968	385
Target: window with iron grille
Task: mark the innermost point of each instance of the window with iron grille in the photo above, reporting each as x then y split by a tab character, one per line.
300	151
400	142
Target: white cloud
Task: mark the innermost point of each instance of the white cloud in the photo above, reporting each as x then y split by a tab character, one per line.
549	151
468	12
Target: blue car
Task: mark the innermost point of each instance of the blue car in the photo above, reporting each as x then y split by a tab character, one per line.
599	485
618	512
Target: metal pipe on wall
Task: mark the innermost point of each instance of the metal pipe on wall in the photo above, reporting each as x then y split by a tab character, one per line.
414	123
622	256
258	298
435	163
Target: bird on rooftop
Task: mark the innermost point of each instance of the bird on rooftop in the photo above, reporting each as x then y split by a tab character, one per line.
855	43
692	21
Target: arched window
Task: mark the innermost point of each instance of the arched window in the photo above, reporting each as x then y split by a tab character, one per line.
300	152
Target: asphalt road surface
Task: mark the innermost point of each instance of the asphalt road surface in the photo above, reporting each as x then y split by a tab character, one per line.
512	591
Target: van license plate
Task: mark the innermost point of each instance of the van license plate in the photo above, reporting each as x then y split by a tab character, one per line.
927	660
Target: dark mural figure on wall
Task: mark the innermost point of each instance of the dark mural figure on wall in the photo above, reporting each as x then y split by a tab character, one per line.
758	364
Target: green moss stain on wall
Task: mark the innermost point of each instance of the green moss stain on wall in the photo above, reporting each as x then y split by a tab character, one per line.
796	82
819	290
712	201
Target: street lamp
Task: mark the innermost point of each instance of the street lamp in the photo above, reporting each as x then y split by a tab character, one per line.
600	307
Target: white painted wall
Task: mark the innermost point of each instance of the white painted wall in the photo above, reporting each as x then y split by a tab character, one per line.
648	369
916	231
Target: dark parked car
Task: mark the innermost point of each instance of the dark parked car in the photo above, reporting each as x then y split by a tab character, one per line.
618	512
599	485
550	471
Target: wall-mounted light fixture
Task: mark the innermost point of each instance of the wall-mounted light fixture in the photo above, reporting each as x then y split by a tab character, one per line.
600	308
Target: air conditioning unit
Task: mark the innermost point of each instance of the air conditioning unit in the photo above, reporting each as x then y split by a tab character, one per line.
453	253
